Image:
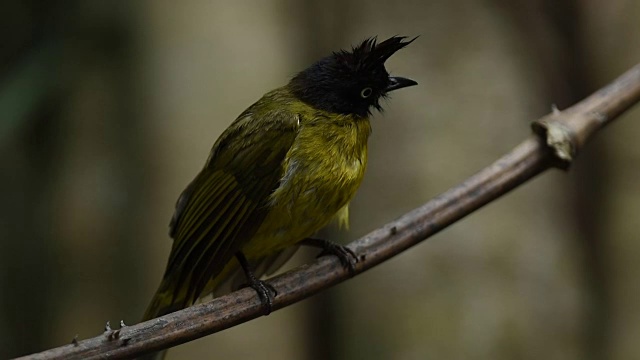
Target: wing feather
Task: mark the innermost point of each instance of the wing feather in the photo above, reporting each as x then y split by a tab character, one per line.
203	201
226	203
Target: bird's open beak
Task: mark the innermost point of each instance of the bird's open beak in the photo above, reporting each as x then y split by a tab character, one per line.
397	82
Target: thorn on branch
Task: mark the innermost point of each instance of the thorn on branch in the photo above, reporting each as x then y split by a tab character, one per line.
110	333
75	340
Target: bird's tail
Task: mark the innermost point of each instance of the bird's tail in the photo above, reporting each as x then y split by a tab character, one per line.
164	302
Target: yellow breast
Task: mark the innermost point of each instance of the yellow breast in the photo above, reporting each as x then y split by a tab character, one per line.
322	172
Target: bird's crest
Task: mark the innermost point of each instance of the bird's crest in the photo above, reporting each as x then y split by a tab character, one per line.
369	54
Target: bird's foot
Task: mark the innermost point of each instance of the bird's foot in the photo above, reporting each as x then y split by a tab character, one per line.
347	257
266	292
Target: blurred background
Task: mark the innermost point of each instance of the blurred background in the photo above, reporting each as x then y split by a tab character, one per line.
109	109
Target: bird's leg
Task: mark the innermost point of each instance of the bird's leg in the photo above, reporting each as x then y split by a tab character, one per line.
347	257
262	288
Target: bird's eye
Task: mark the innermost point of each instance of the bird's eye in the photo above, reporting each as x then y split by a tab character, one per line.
366	92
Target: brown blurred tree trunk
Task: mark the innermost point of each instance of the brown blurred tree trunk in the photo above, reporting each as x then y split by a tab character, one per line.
27	254
53	127
553	31
29	113
106	158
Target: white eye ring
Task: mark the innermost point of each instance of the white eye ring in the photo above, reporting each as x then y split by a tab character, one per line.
366	92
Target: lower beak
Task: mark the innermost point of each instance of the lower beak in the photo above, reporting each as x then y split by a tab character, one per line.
396	82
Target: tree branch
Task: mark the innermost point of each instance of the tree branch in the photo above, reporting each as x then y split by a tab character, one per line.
566	132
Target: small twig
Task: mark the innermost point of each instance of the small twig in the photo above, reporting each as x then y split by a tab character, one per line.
566	132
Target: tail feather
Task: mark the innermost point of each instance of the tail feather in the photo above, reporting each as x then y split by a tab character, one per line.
163	302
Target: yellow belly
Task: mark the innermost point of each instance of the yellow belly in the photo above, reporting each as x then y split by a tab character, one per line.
301	207
322	172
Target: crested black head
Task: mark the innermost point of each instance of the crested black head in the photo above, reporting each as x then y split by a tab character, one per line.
351	82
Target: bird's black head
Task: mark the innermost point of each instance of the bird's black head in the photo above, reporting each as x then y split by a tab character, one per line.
351	82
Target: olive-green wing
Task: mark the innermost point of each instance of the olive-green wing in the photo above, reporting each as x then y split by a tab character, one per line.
226	203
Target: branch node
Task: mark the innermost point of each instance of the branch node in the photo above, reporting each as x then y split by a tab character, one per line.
558	137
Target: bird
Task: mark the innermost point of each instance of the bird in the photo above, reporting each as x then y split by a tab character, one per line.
285	168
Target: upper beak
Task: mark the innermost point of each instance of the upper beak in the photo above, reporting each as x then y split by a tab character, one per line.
397	82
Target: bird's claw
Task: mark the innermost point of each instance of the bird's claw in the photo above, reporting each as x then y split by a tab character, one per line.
347	257
262	288
266	293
